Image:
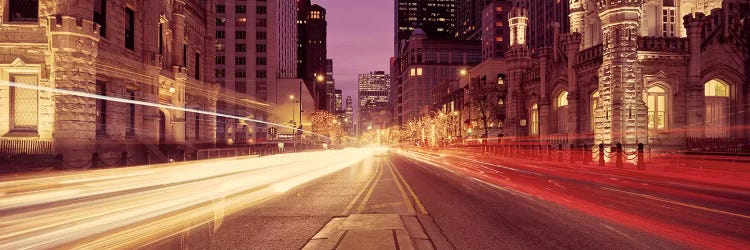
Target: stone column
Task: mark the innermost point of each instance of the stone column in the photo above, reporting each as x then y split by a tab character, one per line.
696	102
178	18
545	119
573	43
620	80
74	50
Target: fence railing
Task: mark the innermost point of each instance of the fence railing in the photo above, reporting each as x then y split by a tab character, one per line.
718	144
26	147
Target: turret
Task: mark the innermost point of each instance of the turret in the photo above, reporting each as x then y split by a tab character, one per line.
519	21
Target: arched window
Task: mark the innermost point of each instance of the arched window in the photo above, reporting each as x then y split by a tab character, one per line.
561	110
594	102
656	100
534	128
717	108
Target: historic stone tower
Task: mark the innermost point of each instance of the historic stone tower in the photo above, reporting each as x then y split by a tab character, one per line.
518	59
74	40
621	111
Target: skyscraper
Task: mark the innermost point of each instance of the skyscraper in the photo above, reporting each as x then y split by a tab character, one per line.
435	17
544	15
349	117
311	50
339	100
255	46
374	92
330	87
495	29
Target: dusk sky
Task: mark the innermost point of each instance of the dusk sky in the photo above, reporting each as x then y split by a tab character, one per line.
360	39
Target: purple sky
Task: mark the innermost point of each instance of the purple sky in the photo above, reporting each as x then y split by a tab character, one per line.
360	39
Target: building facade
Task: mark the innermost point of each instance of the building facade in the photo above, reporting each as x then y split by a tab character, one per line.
424	63
349	126
118	52
435	17
548	18
374	107
495	29
636	80
312	50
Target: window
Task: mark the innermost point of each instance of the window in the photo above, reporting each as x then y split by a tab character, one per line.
240	47
717	108
240	34
101	110
130	29
221	21
220	34
261	35
260	10
562	112
240	9
184	55
130	130
260	48
419	71
240	87
260	74
534	117
24	104
656	100
240	73
161	39
220	8
197	66
260	61
261	22
220	72
594	102
24	10
241	21
100	16
240	60
220	60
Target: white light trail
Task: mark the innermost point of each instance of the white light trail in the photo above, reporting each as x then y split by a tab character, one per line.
149	104
131	207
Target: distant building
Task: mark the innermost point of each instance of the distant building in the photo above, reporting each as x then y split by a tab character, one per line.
435	17
374	91
349	117
424	64
495	29
545	18
339	100
330	87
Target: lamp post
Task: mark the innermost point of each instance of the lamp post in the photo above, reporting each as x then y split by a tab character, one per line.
291	98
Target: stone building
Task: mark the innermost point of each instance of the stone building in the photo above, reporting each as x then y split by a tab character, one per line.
158	52
632	78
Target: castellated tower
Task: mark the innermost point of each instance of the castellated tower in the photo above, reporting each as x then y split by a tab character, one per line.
621	102
518	59
74	40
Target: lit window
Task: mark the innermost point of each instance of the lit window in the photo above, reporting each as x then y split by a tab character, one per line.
717	108
412	72
419	71
534	128
562	112
24	104
656	101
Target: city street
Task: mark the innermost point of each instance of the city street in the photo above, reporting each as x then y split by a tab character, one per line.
462	207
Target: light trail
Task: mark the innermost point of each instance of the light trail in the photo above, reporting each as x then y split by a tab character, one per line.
131	207
149	104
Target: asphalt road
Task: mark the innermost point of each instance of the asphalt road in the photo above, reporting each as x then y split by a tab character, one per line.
462	205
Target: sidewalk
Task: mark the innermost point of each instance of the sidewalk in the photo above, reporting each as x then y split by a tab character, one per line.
372	231
386	214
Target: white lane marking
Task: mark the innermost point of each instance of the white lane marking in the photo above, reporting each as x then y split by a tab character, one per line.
680	203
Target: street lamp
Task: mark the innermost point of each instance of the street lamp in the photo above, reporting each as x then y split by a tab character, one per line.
291	98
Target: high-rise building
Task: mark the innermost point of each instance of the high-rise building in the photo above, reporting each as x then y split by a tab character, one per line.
339	100
311	50
374	91
256	45
544	17
435	17
330	87
469	17
495	29
349	128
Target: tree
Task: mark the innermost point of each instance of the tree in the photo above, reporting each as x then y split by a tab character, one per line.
488	100
327	124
